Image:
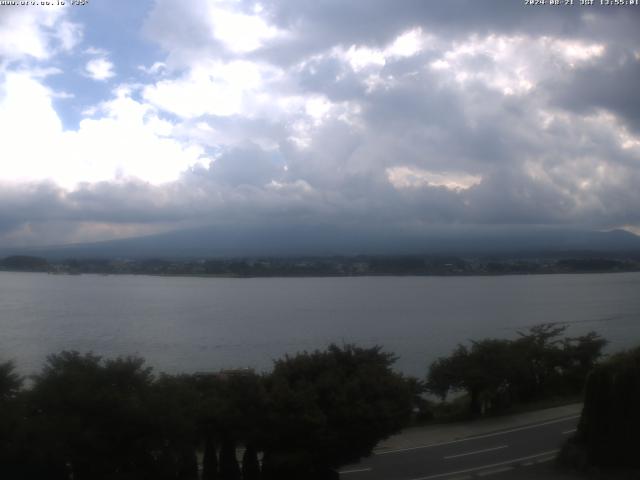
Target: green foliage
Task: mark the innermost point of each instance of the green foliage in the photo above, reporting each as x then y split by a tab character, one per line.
10	382
610	424
332	407
483	371
92	417
11	425
498	373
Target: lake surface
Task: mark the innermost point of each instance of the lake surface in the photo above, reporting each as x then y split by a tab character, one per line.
200	324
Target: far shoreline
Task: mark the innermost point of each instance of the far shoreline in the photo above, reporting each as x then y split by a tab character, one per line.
368	275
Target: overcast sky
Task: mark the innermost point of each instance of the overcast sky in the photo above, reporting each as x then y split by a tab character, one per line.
121	118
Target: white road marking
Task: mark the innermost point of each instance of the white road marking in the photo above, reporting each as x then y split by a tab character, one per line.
545	460
495	471
359	470
466	439
567	432
486	467
477	451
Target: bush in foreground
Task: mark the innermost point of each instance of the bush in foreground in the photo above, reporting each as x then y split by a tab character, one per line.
609	430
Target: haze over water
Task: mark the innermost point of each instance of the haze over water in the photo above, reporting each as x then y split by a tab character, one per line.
199	324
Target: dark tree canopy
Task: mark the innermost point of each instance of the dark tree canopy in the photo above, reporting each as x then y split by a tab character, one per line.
609	428
93	418
496	373
329	408
10	381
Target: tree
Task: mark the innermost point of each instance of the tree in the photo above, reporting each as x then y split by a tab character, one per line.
329	408
483	372
581	356
496	373
540	359
91	417
609	427
173	406
10	382
231	412
11	419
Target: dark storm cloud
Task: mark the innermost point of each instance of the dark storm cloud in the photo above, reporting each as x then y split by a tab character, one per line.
34	202
247	165
611	84
507	132
377	22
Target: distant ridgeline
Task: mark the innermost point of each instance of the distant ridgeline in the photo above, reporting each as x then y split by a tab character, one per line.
330	266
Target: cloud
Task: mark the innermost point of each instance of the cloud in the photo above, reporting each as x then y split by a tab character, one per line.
608	84
340	113
217	88
100	69
215	28
37	33
123	138
406	177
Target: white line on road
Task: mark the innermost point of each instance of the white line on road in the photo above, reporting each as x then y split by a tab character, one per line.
358	470
567	432
495	471
545	460
485	467
466	439
477	451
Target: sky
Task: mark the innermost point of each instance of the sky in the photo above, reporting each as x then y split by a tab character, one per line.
121	118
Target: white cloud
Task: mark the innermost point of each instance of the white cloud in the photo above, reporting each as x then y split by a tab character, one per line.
68	34
100	69
31	129
37	33
126	138
513	64
362	57
240	32
575	52
203	29
403	177
407	44
215	88
100	52
156	69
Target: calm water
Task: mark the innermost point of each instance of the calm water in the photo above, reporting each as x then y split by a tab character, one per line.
192	324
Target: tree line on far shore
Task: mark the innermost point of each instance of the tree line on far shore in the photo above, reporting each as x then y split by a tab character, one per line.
359	265
85	417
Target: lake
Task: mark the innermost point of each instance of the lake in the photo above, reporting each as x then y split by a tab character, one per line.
186	324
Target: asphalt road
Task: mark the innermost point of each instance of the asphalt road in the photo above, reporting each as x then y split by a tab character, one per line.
472	457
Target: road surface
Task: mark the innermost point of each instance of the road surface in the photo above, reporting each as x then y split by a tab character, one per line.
472	457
